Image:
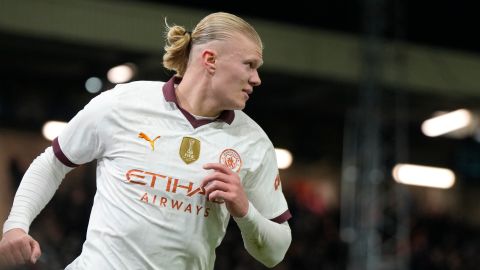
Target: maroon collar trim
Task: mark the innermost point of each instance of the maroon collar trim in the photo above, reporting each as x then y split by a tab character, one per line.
226	116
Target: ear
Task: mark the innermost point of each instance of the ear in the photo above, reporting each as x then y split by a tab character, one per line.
208	60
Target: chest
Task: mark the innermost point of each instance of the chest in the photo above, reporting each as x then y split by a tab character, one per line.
165	151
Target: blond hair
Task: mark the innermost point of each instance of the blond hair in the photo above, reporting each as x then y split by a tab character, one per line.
216	26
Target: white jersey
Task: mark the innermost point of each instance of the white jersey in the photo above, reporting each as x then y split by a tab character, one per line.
149	211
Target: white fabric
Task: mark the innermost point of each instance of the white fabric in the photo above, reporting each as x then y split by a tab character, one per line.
148	212
38	185
199	117
265	240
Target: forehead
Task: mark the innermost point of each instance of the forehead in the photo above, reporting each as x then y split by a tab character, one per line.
243	46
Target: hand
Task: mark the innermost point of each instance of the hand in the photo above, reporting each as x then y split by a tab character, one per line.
17	247
223	185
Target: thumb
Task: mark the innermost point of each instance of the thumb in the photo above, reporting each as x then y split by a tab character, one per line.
36	252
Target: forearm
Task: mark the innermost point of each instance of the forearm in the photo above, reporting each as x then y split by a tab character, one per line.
265	240
38	185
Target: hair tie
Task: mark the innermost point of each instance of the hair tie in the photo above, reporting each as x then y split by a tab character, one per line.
188	33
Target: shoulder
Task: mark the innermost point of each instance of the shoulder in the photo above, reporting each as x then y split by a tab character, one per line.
136	92
252	129
138	86
131	88
126	95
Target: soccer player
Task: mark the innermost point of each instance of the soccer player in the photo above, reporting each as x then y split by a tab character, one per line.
175	160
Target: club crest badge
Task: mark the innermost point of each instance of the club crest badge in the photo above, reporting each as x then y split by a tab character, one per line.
231	159
189	150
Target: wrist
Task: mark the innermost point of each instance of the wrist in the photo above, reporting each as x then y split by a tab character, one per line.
15	225
14	233
249	216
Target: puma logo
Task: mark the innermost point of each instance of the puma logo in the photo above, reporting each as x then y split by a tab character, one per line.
145	137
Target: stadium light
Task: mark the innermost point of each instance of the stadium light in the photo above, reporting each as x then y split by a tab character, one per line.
93	85
425	176
52	129
122	73
450	123
284	158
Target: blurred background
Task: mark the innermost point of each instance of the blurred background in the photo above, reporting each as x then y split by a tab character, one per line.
350	89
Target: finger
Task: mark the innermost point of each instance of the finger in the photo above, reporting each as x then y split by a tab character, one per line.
213	177
217	185
10	257
17	255
217	167
25	249
36	251
213	186
218	200
3	260
219	196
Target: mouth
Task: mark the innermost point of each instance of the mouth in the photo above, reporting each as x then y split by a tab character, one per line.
247	93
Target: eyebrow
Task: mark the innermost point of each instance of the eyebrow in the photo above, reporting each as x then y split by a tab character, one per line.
258	62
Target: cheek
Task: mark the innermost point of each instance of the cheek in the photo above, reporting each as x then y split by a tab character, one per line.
234	78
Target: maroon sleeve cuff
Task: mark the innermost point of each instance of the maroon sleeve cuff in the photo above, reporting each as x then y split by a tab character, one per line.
60	155
283	217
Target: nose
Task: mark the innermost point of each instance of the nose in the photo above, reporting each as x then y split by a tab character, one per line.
255	79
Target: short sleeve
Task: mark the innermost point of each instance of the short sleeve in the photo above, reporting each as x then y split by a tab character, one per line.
264	189
81	140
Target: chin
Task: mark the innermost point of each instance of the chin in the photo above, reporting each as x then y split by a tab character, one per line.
237	107
241	106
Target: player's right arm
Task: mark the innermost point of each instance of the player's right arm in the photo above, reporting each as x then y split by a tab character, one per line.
80	142
36	189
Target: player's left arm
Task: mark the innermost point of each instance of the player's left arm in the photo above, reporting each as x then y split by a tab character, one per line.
266	240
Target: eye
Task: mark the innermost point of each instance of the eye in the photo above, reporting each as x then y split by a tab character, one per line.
250	65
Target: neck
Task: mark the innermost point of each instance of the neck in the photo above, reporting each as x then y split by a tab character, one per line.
193	96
